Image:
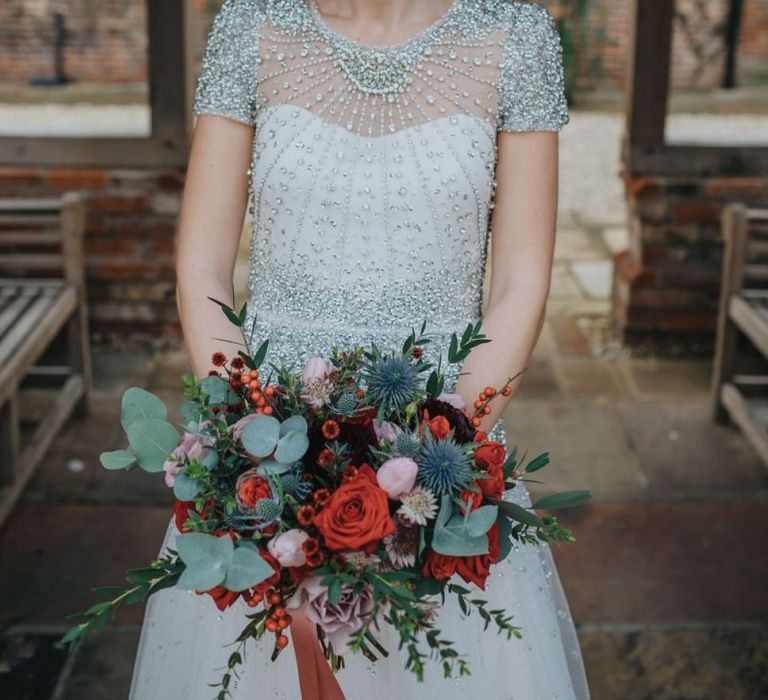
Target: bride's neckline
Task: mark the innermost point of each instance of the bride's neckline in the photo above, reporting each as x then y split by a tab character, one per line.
342	40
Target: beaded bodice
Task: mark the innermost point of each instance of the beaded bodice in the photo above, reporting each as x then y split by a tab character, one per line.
372	177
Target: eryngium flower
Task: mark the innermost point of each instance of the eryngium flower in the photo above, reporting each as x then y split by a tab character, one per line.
346	404
407	444
444	465
295	485
267	510
392	383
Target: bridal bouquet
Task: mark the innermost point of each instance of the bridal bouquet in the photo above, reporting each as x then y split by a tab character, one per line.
355	491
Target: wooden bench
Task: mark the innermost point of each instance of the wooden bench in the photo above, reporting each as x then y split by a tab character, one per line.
44	346
740	378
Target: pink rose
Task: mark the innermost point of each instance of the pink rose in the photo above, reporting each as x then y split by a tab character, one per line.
338	621
316	383
456	400
190	447
286	548
397	476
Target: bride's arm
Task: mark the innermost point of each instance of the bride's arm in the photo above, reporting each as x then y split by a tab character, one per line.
210	224
523	225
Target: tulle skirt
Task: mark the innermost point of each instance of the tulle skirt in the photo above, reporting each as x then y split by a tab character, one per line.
184	646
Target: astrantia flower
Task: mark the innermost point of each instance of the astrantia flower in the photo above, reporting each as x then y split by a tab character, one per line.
360	560
402	545
317	385
392	383
418	506
444	465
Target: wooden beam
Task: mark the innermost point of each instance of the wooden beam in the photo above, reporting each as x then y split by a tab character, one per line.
648	72
169	36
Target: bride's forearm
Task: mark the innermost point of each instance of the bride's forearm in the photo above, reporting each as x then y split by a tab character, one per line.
205	327
513	322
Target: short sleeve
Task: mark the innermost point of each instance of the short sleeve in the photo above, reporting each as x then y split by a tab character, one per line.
227	83
531	81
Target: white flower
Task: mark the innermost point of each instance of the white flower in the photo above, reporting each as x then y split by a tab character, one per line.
418	506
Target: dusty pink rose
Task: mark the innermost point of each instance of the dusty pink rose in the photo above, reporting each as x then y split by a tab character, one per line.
456	400
286	548
340	621
316	381
190	447
385	431
397	476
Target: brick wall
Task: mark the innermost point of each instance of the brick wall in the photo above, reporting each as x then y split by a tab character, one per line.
108	39
129	244
667	285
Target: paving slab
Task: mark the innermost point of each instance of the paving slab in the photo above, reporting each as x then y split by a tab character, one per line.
727	663
587	379
562	284
684	453
570	339
577	244
56	553
659	378
586	444
668	562
539	381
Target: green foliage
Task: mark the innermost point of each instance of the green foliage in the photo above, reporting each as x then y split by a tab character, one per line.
462	535
266	435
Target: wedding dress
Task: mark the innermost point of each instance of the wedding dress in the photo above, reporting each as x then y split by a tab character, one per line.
372	181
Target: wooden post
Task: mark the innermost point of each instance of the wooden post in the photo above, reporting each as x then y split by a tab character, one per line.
648	71
78	341
10	443
734	222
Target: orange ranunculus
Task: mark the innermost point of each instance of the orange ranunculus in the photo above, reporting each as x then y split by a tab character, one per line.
490	454
439	427
439	566
357	514
251	488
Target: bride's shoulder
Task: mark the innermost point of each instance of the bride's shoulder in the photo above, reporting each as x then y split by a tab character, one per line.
517	15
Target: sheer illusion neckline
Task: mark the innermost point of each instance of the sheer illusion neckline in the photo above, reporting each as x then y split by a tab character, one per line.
342	40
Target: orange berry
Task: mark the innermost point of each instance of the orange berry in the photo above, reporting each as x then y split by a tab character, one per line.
267	410
272	625
279	611
506	391
282	622
274	598
270	391
475	422
487	410
282	641
490	391
478	404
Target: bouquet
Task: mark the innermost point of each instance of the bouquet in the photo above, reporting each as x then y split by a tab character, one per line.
357	492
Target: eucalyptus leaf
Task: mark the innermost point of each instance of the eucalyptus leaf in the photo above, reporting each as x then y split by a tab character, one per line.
271	467
567	499
246	569
139	404
207	559
260	436
294	423
292	447
211	460
118	459
185	488
202	576
190	412
218	390
505	537
479	521
451	536
152	441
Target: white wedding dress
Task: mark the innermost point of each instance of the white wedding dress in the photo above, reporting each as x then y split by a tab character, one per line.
372	182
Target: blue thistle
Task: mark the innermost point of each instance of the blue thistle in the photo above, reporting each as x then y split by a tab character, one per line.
407	444
346	404
392	383
295	485
444	466
267	510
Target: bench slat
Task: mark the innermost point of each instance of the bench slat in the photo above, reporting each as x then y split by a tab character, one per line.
14	308
34	205
31	261
29	238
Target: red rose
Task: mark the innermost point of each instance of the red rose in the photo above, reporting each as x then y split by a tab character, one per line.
252	488
490	454
474	499
493	486
222	597
439	566
475	569
357	514
180	513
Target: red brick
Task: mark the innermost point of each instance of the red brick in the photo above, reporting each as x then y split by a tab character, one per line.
737	187
117	269
62	180
111	246
694	211
628	269
116	204
162	247
644	186
20	177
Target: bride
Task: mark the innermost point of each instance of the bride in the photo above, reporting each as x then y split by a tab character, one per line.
377	143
